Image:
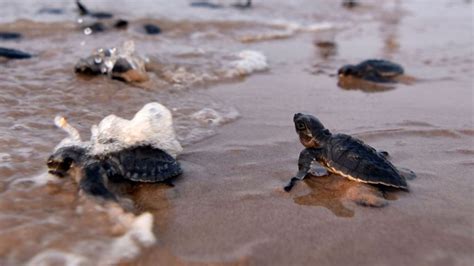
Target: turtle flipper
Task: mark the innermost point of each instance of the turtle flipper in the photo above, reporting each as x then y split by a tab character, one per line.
299	176
384	154
93	182
406	173
168	182
307	156
318	170
82	8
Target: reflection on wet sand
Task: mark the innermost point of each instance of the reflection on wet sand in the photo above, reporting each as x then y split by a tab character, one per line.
327	192
165	257
350	83
153	198
334	192
389	24
326	49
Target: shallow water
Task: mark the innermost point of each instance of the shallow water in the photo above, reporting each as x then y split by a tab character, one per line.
240	145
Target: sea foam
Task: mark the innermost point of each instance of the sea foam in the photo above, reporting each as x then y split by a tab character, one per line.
248	61
152	125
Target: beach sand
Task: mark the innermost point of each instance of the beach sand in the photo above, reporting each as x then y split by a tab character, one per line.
229	208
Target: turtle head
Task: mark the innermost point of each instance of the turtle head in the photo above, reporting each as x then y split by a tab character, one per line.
348	70
99	63
311	131
64	159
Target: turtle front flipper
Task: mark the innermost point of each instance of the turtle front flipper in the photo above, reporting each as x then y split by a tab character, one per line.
307	156
93	182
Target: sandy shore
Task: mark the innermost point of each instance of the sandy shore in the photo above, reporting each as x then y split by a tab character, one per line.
229	207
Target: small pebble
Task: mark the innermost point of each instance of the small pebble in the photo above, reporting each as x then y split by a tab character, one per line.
52	11
121	24
152	29
9	35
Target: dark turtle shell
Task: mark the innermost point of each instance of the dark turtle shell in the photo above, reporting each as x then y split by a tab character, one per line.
13	53
373	70
382	67
140	164
350	157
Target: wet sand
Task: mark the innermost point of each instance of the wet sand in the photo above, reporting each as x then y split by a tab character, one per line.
228	208
231	208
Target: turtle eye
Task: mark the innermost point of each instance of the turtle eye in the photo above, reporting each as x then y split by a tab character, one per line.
300	126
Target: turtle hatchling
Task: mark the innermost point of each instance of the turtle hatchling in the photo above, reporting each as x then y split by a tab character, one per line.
111	157
375	70
118	63
344	155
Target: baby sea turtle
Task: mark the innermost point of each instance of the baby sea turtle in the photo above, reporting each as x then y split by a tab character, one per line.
344	155
142	149
247	4
118	63
210	5
13	53
8	35
350	3
138	164
151	29
94	22
205	4
84	11
51	11
372	70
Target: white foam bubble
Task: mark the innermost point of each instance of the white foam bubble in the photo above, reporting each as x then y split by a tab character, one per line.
56	257
37	180
249	61
285	29
5	157
213	117
318	26
152	125
137	233
128	245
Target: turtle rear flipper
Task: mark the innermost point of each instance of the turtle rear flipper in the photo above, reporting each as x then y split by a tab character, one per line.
406	173
384	154
93	182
